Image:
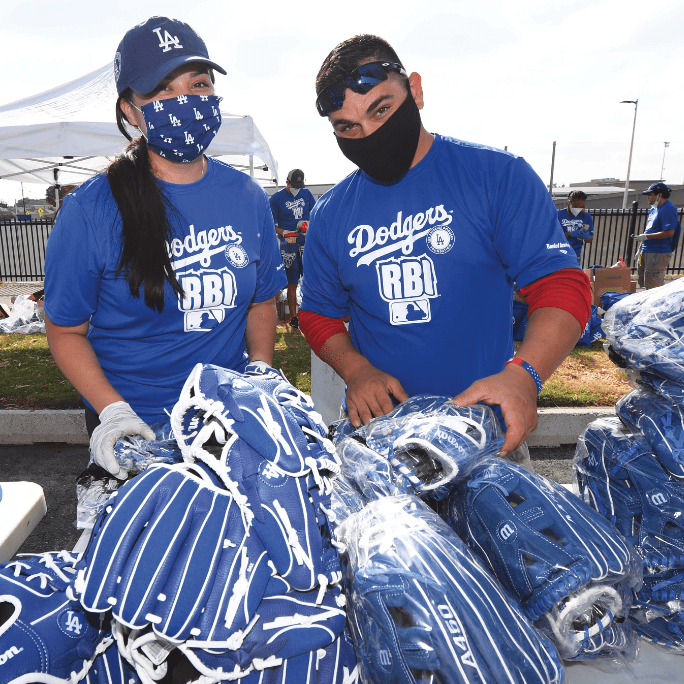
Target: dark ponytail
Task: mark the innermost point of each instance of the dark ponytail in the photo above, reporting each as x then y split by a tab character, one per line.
145	228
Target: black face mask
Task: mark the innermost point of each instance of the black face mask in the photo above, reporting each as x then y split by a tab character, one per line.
387	153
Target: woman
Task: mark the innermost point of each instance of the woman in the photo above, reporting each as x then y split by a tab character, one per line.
167	258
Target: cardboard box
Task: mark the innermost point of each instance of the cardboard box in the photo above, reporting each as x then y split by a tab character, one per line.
609	280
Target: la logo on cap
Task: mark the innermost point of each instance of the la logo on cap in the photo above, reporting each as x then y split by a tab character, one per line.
168	41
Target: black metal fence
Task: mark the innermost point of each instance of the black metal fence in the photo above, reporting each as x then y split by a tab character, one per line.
613	229
22	249
22	244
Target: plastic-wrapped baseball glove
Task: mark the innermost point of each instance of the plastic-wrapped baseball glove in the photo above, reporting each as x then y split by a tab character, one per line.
116	421
423	608
646	331
174	548
45	635
619	476
660	421
557	556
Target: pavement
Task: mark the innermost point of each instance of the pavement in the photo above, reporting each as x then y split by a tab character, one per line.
55	467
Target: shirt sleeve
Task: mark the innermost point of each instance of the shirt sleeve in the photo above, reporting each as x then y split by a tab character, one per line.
270	271
322	290
527	234
668	219
73	267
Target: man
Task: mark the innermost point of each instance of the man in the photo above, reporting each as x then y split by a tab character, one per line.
421	247
577	225
660	239
291	208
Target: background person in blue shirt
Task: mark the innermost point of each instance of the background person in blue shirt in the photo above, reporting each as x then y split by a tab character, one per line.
291	208
576	223
660	239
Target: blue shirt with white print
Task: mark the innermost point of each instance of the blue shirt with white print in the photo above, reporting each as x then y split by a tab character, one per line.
580	227
425	267
225	256
661	219
289	210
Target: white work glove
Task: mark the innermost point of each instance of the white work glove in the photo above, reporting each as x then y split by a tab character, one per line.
642	236
116	420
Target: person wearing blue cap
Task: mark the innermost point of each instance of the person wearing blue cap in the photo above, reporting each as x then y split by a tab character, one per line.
659	239
291	209
167	258
576	223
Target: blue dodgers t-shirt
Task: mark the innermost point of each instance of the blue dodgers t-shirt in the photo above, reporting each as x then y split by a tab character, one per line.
289	210
225	256
425	267
580	228
660	219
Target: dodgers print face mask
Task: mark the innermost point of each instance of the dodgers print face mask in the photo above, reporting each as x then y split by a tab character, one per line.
182	127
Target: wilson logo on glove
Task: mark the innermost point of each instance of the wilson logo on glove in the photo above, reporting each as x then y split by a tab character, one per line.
9	653
506	531
658	498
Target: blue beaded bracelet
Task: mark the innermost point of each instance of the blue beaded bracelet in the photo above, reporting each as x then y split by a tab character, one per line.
530	370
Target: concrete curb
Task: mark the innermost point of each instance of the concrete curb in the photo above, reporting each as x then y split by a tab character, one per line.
556	426
564	425
18	426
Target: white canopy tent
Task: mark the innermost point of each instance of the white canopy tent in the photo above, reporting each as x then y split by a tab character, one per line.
68	133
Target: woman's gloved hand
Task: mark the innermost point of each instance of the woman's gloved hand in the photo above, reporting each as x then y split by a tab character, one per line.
116	420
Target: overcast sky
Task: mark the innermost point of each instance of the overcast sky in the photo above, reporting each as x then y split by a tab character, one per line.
516	73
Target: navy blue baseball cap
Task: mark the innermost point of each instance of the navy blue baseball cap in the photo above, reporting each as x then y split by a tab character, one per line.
150	51
657	188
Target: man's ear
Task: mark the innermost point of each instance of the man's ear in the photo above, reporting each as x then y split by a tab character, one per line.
416	86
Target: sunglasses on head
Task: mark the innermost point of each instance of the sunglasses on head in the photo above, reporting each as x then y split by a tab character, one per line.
361	80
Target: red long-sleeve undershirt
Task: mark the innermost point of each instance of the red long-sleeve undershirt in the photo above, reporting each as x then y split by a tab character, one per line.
567	289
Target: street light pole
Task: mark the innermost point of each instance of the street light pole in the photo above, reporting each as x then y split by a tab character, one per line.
631	147
662	168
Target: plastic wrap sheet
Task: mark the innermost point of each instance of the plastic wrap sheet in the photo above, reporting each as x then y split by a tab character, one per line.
619	476
424	453
660	421
658	611
95	485
25	318
646	330
569	567
424	609
672	391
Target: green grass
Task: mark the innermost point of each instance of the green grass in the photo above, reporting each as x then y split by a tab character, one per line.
30	379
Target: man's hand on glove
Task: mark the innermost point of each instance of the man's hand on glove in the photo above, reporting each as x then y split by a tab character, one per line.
116	420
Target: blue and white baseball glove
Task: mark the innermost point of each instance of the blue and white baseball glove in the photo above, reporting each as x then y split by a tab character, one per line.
423	608
619	476
431	450
260	434
284	626
557	556
171	549
646	331
111	668
46	637
660	421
